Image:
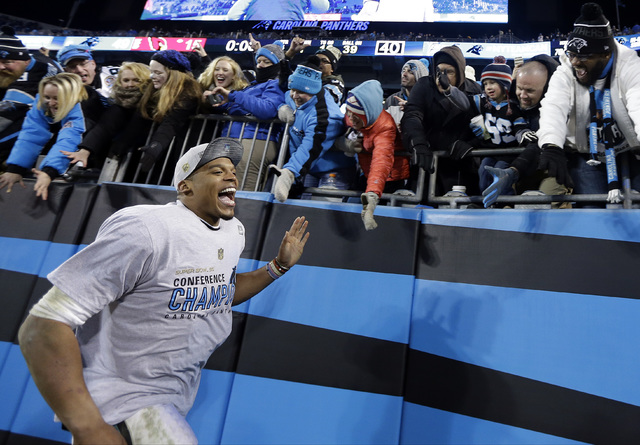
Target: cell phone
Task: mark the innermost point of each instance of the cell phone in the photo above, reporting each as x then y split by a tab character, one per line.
517	61
215	99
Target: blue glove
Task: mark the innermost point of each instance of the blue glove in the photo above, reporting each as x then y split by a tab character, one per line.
503	180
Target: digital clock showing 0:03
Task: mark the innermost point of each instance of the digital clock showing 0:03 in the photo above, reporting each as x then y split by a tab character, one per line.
234	45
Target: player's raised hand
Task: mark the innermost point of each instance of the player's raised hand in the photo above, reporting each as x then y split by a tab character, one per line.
293	242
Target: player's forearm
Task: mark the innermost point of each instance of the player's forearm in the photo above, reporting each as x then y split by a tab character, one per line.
249	284
53	356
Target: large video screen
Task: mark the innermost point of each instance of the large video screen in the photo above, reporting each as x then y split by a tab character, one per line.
481	11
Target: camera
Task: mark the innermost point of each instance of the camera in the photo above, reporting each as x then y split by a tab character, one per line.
443	80
215	99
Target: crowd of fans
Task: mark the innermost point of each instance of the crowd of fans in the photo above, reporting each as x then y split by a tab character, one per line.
78	114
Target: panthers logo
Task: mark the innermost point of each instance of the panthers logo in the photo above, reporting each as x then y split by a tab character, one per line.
576	44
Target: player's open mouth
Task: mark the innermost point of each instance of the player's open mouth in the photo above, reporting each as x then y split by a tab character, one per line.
227	196
581	73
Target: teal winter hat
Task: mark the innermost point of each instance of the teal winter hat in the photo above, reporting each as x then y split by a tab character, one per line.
306	79
71	52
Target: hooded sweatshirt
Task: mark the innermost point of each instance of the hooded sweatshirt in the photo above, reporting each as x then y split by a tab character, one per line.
381	141
430	118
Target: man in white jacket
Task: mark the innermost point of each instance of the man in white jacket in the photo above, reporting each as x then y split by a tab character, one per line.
590	115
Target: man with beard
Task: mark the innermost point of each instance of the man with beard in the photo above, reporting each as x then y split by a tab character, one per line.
590	116
20	74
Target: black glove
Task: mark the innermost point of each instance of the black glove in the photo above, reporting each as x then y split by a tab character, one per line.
150	153
423	157
503	179
554	160
459	149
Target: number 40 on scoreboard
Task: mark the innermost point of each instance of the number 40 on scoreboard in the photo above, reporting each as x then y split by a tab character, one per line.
389	47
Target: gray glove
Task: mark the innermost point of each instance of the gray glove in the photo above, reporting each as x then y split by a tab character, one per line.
350	144
283	183
286	114
369	203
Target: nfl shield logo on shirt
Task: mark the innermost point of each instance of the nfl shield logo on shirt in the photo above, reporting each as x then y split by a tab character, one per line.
220	253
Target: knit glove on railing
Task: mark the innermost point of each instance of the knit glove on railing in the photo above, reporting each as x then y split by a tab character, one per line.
615	196
283	183
369	203
150	153
286	114
503	180
554	160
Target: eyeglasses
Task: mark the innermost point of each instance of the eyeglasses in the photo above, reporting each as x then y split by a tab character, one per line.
325	62
446	72
581	57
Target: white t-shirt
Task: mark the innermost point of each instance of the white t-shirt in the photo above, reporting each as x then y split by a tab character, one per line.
161	283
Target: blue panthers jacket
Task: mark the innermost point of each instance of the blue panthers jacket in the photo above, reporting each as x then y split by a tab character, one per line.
261	100
37	130
318	122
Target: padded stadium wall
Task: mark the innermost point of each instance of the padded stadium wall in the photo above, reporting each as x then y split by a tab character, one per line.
439	327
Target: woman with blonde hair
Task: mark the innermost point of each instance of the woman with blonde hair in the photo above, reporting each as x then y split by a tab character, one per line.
222	72
169	100
57	111
260	99
132	79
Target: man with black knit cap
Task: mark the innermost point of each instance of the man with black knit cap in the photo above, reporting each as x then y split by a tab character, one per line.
433	121
20	75
590	116
332	82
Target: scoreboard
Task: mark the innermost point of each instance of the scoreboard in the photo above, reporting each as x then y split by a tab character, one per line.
394	48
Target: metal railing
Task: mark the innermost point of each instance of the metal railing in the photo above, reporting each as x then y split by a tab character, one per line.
457	201
202	128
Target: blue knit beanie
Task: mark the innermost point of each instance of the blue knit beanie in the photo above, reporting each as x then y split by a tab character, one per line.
173	59
273	51
306	79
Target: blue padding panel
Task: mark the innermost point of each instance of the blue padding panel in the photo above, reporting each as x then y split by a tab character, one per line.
583	342
256	196
22	255
622	225
35	418
395	212
279	412
13	380
5	347
210	408
57	254
363	303
422	425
